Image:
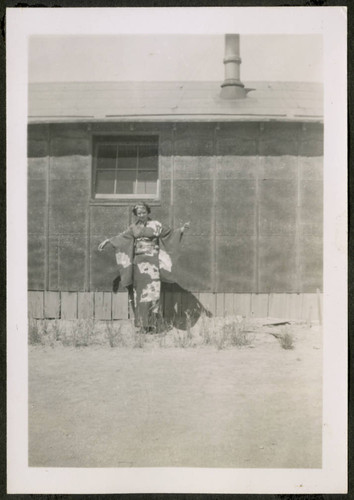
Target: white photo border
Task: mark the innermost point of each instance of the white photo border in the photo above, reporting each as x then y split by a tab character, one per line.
331	23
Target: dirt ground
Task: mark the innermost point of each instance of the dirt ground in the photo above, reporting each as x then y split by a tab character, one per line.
255	406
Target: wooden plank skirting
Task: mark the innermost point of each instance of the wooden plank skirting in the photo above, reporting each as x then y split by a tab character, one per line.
107	305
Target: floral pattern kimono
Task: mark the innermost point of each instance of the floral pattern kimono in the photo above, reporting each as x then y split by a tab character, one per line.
145	254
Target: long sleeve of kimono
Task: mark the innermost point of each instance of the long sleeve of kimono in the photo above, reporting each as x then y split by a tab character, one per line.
123	244
170	243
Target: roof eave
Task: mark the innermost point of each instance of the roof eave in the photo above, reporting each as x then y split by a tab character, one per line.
177	118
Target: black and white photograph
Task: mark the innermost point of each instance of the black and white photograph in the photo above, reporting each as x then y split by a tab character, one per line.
177	309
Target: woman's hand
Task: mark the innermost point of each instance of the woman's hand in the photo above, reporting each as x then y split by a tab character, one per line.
102	245
185	226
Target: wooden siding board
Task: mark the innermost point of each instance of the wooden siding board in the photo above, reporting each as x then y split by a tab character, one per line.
208	301
120	305
103	305
35	305
309	307
229	304
69	305
51	305
85	307
220	305
259	305
278	305
294	306
242	304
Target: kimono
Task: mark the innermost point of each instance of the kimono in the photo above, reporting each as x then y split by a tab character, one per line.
146	254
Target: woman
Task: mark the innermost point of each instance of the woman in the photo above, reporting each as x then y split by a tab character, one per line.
145	253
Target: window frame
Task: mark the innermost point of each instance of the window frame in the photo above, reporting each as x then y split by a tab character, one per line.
116	139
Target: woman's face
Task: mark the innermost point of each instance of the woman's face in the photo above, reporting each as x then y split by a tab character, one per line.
142	214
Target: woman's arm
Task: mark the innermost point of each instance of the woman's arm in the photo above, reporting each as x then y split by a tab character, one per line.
103	244
166	230
185	226
115	240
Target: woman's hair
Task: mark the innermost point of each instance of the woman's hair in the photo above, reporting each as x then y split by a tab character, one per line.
141	204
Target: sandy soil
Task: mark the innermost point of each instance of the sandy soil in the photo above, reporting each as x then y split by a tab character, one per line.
255	406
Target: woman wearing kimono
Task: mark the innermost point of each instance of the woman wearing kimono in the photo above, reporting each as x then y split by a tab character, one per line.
145	253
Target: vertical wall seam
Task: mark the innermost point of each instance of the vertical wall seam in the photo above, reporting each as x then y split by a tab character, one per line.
172	214
213	216
257	215
87	283
88	251
46	263
298	208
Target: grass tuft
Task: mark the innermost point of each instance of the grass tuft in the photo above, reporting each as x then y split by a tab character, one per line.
114	334
286	339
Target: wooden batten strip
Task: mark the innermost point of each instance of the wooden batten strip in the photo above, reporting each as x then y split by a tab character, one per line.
35	305
51	305
294	306
85	305
120	306
277	305
69	305
103	305
309	309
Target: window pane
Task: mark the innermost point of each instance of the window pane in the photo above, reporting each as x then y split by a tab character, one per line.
106	156
147	183
148	157
125	181
105	182
127	155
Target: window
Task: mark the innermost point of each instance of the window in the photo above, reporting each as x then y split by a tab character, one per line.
126	167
